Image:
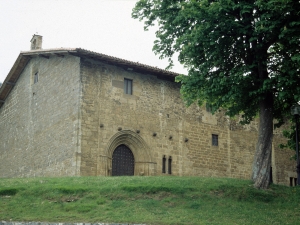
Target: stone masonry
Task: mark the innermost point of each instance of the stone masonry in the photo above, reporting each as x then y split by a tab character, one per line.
156	107
71	119
40	122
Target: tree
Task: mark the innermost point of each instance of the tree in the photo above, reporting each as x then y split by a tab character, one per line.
241	55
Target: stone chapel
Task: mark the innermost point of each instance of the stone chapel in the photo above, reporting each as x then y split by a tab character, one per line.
74	112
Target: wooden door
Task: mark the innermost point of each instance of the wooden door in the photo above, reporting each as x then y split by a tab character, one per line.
122	161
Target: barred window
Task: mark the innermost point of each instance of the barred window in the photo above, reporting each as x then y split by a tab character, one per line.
127	86
215	141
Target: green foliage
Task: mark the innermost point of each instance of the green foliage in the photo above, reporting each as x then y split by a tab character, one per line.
236	51
247	194
8	191
149	200
290	135
146	189
242	56
70	190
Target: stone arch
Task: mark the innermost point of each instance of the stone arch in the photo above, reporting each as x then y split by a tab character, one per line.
132	140
144	164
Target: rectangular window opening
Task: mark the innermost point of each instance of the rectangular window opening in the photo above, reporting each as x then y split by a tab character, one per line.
271	175
208	107
293	181
170	165
36	77
215	141
127	86
164	160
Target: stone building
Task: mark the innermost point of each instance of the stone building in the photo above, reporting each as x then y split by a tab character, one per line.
73	112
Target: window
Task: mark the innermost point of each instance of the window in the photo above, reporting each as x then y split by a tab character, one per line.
293	181
215	141
271	175
164	164
36	77
127	86
208	107
170	165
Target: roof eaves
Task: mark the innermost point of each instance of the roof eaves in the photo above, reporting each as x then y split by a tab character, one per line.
80	52
13	76
139	67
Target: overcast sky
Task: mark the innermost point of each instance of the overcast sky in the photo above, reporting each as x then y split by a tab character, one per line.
103	26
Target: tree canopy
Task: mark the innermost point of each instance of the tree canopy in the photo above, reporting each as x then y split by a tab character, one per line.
241	55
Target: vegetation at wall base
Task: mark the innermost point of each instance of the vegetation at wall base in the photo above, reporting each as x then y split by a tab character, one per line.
149	200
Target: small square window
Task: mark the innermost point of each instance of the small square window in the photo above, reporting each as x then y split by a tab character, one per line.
36	77
127	86
215	141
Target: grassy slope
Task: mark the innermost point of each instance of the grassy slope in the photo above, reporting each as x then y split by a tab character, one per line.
151	200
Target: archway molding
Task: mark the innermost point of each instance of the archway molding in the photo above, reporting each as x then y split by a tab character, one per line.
132	140
144	164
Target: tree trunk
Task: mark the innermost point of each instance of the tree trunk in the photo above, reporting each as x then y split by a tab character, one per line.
262	159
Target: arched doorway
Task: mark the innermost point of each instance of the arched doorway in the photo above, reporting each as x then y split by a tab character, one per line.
122	161
143	162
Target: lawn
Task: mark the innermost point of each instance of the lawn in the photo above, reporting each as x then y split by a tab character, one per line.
149	200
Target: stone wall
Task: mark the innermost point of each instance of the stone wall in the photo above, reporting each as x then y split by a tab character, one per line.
40	121
283	164
155	106
71	121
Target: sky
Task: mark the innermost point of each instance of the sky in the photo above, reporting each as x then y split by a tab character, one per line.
103	26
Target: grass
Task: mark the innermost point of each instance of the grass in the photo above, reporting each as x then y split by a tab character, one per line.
150	200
